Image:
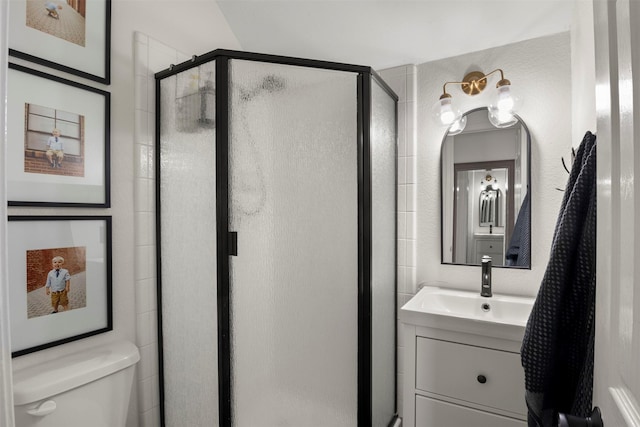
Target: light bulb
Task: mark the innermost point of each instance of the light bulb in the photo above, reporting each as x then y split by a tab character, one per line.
501	119
505	100
457	126
445	112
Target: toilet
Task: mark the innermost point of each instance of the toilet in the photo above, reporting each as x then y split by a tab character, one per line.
88	388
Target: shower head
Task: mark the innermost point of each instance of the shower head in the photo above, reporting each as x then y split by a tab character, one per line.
270	83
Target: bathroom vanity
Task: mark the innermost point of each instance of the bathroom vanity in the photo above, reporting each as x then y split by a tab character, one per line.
462	362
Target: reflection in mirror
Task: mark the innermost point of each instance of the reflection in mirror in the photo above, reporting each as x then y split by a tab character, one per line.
485	176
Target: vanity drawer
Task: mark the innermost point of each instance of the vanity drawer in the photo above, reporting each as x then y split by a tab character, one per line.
487	377
490	247
436	413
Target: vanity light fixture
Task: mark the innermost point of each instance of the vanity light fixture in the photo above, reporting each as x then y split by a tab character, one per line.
502	107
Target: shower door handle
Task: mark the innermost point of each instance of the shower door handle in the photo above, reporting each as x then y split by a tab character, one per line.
233	243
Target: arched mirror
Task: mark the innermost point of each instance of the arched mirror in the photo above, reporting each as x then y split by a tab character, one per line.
485	176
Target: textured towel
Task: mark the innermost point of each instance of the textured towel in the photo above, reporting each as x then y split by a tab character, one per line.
519	252
557	350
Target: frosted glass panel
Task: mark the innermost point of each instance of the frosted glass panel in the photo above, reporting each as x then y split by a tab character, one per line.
188	244
383	281
294	283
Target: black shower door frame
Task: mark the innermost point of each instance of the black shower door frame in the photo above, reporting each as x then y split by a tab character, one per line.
227	240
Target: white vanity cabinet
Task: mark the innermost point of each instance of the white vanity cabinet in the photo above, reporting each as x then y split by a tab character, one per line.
456	379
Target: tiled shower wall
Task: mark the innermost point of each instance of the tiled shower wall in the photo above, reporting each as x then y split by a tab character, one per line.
403	81
152	56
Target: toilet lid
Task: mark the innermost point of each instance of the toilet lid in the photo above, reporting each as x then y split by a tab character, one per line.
68	372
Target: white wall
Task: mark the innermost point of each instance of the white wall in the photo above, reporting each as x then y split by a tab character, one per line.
540	70
583	72
193	27
6	394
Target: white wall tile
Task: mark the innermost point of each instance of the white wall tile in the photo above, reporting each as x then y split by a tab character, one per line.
411	198
411	86
402	170
411	280
141	59
400	387
402	252
402	130
141	93
411	225
400	335
402	280
143	329
145	364
142	236
152	153
411	253
402	225
402	198
148	420
411	170
142	267
144	289
141	195
154	326
141	160
151	90
142	129
155	388
144	394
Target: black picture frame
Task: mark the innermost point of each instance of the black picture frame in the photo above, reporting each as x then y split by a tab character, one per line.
35	35
34	243
38	104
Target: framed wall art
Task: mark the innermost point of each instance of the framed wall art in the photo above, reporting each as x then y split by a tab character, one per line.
60	280
58	142
73	36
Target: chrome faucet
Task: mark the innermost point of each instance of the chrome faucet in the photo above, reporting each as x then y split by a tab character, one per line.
485	291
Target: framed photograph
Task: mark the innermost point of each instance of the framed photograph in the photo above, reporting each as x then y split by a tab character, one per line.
58	141
73	36
60	280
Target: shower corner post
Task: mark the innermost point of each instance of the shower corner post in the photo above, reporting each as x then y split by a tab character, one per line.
365	396
158	105
223	243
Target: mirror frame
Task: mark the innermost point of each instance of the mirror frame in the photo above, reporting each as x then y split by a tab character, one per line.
529	189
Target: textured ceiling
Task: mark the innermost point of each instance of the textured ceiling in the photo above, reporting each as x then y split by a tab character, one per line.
388	33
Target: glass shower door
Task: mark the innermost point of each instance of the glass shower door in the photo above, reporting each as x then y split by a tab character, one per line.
383	262
293	194
188	268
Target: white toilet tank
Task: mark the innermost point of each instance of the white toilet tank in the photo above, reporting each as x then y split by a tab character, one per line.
89	388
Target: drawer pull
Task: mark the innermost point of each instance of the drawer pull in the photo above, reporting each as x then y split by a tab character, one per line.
482	379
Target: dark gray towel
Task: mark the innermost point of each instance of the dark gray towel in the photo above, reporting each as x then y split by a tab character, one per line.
519	251
557	350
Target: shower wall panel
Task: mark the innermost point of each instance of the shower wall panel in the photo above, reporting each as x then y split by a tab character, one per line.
383	262
187	207
294	204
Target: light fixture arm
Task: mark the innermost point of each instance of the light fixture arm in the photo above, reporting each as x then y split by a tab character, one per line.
475	82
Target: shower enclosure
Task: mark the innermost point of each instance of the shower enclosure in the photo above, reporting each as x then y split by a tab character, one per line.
276	236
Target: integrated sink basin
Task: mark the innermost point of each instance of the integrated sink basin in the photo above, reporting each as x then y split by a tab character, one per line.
499	316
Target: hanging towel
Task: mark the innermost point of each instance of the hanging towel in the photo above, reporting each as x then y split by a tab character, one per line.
557	350
519	252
